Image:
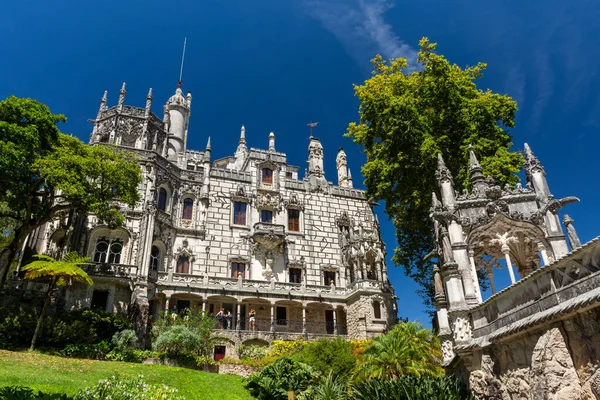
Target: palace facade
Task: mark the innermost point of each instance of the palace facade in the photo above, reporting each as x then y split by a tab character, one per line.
240	233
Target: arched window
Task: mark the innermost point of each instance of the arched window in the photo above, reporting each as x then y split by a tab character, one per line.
376	310
108	251
188	206
154	258
267	176
101	251
162	199
183	265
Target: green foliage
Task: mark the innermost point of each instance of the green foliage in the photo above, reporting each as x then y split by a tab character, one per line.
329	356
199	323
43	172
410	388
87	327
285	347
125	340
133	355
118	388
406	120
61	272
97	351
177	341
328	388
407	349
254	352
283	376
25	393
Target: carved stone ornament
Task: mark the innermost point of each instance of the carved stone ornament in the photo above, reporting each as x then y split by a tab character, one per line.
447	350
343	219
294	202
269	200
129	130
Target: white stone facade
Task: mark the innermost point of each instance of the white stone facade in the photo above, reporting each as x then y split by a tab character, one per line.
244	232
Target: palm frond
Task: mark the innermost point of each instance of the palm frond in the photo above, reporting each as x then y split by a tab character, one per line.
64	272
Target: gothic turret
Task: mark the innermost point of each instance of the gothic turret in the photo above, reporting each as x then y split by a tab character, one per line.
122	93
535	174
178	109
271	141
445	183
344	177
315	158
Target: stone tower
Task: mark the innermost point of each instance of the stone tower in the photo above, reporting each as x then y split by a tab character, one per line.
177	117
344	176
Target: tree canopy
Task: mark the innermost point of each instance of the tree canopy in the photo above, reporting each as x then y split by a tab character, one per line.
407	118
44	172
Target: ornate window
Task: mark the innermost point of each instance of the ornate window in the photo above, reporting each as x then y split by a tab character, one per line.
376	310
295	275
239	212
188	207
266	216
293	220
183	265
267	176
238	269
108	251
329	278
154	258
162	199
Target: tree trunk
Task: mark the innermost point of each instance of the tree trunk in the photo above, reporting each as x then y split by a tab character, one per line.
9	253
41	317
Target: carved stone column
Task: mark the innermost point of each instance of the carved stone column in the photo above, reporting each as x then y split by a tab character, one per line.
272	317
506	250
238	316
304	319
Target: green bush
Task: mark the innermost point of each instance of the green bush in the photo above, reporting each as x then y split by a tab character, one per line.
328	356
328	388
116	388
133	355
17	325
177	341
410	388
25	393
253	352
96	351
283	376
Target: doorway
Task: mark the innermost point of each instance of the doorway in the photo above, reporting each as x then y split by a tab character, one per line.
99	299
219	353
329	324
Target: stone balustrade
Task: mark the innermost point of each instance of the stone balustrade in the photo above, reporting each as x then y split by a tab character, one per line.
116	270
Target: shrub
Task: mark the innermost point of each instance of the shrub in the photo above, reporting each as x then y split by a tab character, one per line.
253	352
283	376
410	388
177	341
16	327
328	356
96	351
125	340
133	355
285	347
328	388
25	393
116	388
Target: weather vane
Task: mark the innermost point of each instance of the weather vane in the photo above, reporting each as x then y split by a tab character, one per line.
180	82
312	125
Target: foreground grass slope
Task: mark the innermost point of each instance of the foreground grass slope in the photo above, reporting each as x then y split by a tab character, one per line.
53	374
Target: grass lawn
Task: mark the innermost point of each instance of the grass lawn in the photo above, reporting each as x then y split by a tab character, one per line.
52	374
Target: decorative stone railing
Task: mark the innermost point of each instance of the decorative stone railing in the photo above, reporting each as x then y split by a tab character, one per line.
569	282
116	270
269	229
251	286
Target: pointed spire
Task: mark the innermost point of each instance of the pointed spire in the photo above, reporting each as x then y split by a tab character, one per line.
208	144
349	174
271	141
571	233
103	102
477	179
207	152
149	100
242	135
442	173
122	93
188	99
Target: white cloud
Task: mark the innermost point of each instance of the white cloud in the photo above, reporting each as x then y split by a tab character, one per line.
361	28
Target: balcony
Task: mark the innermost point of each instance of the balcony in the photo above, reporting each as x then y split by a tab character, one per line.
285	326
111	270
265	228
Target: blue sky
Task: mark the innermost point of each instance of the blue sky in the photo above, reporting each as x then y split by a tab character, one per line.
276	65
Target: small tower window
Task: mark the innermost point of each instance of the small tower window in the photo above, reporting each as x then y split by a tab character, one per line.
266	216
238	269
188	207
154	258
295	275
162	199
183	265
329	278
239	213
294	220
376	310
267	176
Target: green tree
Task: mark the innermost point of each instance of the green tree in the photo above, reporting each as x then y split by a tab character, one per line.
60	273
406	120
44	172
407	349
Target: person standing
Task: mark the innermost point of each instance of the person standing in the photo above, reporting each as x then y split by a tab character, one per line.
252	319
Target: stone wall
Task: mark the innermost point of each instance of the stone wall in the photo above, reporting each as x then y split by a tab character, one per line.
558	361
240	370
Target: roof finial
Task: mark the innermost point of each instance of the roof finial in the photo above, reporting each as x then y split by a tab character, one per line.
208	144
243	135
103	101
122	93
271	141
180	81
312	125
149	99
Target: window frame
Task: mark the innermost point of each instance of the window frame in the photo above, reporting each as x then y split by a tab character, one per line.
108	256
270	213
188	204
328	277
243	215
293	271
154	259
376	310
178	265
297	217
267	177
235	269
162	207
